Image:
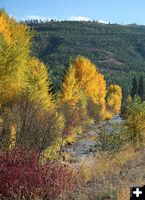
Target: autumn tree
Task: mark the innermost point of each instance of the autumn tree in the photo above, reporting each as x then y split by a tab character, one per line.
5	26
17	70
24	88
93	85
86	73
14	52
39	84
113	99
101	83
69	103
135	123
70	92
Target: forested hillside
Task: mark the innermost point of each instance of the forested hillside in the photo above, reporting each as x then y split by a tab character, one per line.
117	50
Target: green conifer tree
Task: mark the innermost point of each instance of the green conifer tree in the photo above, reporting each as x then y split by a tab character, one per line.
141	89
134	88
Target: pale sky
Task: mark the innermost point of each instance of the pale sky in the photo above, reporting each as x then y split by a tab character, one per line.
114	11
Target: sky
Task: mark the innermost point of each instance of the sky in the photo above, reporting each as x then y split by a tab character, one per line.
113	11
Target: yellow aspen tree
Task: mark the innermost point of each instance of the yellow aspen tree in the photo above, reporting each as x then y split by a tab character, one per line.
14	52
39	84
69	97
86	73
20	73
70	92
113	98
94	85
15	33
100	99
5	26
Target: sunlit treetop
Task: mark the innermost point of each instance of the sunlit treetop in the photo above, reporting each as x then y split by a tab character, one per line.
14	54
39	84
70	89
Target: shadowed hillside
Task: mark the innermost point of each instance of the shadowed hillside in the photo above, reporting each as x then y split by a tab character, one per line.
117	50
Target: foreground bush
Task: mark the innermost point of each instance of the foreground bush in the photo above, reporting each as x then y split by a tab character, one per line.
112	140
135	123
23	177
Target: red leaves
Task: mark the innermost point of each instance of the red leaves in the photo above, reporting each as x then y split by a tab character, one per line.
22	175
59	179
18	169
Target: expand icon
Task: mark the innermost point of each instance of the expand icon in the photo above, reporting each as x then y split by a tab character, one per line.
137	193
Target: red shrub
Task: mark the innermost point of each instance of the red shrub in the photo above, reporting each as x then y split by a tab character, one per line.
59	179
22	175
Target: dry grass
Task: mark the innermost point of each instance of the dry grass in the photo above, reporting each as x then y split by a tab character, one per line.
109	177
105	163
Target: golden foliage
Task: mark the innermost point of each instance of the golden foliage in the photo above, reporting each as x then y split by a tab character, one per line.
135	124
70	89
113	99
93	84
86	74
39	84
100	98
13	32
5	26
14	52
